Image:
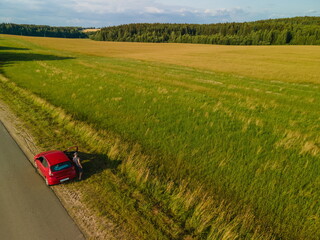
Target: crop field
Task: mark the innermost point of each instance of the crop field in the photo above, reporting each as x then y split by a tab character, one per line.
275	63
211	142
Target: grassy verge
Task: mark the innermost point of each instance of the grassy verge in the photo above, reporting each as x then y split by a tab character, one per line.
175	152
106	194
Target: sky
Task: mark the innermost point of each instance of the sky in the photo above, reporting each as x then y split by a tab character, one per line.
102	13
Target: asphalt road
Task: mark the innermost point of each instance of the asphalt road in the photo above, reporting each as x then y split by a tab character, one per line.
28	208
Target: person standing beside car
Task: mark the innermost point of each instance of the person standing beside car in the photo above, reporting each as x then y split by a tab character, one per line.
76	161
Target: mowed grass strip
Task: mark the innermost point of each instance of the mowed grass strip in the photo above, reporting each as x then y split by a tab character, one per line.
251	145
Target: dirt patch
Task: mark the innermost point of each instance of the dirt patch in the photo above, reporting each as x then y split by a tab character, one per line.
91	30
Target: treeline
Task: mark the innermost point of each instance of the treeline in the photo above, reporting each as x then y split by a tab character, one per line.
296	31
42	30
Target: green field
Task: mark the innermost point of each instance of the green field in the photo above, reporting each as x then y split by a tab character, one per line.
178	151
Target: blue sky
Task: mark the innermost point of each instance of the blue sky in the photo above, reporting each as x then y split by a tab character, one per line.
100	13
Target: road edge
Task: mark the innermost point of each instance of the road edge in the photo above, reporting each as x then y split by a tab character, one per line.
25	141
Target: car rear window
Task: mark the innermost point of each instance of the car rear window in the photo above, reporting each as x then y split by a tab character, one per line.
60	166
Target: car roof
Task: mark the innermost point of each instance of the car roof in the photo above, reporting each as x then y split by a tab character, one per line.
55	157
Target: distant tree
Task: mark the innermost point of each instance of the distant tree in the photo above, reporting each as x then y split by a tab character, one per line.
42	30
299	30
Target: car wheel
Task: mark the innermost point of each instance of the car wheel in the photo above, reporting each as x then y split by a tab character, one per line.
36	168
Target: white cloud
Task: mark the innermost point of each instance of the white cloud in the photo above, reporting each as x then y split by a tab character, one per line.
25	4
108	6
153	10
313	12
101	13
6	19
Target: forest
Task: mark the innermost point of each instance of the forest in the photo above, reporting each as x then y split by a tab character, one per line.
285	31
42	30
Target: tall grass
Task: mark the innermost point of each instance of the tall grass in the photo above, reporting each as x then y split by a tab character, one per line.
226	156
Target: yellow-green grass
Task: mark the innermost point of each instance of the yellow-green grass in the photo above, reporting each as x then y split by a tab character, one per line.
298	64
223	154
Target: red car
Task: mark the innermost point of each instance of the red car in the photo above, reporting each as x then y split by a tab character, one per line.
55	166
